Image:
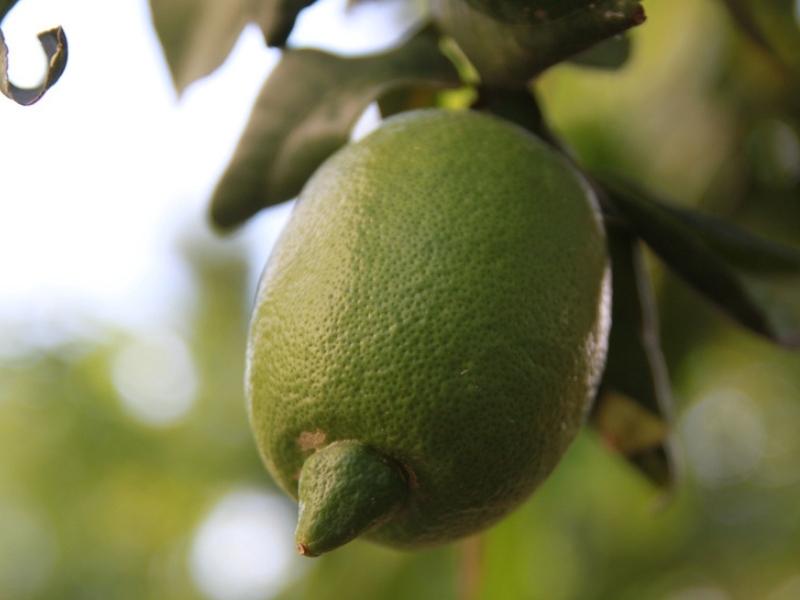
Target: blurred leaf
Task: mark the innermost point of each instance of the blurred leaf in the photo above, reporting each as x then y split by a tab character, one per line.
511	54
362	570
634	406
5	6
278	17
54	44
406	98
686	243
305	112
610	54
637	434
743	250
773	26
198	35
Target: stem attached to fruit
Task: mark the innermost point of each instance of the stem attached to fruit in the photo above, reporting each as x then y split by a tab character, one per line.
345	489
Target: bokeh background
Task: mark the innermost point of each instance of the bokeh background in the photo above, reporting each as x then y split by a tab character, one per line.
127	470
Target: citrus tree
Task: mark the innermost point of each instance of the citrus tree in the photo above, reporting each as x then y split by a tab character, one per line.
465	126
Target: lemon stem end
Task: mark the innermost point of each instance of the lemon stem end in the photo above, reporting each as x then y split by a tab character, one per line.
345	489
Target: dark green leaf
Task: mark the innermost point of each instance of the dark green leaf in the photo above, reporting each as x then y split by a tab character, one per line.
685	242
305	112
634	407
610	54
277	19
54	44
197	35
511	54
741	249
515	11
5	6
407	98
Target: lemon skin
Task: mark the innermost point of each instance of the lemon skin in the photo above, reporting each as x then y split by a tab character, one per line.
439	295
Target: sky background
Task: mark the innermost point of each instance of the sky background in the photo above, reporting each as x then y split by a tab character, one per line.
104	176
103	182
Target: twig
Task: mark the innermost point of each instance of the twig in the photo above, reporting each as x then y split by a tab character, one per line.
470	568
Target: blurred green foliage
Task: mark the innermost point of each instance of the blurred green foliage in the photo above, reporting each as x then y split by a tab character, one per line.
95	503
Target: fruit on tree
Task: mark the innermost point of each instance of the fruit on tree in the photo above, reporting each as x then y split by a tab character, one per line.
428	331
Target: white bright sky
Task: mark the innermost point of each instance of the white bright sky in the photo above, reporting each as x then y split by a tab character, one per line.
102	176
99	183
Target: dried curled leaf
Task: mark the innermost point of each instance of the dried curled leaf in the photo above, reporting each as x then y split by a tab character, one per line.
54	44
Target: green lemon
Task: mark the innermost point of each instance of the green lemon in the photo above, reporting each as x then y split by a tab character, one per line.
428	332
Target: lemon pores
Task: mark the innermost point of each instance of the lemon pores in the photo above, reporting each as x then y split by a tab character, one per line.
440	297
